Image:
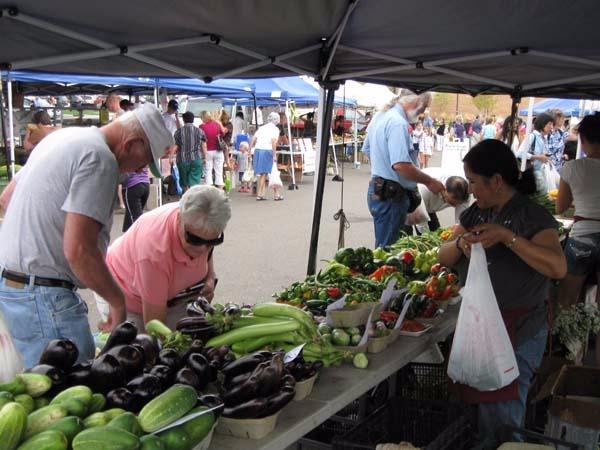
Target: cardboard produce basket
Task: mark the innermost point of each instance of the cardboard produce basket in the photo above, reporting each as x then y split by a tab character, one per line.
247	428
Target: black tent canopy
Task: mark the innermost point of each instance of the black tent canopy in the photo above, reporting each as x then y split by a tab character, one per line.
521	48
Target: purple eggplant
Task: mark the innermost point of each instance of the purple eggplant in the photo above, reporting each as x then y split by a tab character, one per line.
151	348
189	377
121	398
106	374
122	334
169	357
165	375
198	363
56	375
130	358
60	353
80	374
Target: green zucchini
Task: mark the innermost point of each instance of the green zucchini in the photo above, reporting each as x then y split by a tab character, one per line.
169	406
43	418
246	321
46	440
70	426
253	331
13	420
105	438
281	309
250	345
36	384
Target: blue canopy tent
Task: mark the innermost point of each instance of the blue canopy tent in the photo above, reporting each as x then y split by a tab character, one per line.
569	107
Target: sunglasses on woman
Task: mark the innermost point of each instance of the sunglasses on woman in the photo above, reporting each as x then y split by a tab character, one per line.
192	239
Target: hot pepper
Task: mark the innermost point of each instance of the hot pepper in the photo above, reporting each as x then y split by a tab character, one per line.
333	292
381	272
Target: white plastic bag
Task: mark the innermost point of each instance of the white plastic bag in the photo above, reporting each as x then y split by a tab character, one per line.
11	361
275	177
551	176
418	216
482	355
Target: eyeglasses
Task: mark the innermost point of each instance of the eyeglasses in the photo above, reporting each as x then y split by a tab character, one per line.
192	239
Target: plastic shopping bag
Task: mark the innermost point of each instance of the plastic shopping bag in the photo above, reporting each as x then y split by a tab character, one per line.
418	216
11	361
551	176
275	177
482	355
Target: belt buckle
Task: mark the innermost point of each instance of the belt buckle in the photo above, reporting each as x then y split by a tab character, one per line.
14	284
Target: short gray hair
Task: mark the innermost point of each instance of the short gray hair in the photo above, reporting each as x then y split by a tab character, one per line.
407	96
273	118
206	208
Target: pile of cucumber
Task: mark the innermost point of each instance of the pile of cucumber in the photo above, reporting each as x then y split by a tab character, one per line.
75	419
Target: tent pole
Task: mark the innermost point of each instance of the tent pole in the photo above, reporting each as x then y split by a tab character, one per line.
325	118
579	153
355	126
11	130
159	179
321	111
255	111
528	129
289	132
3	124
516	99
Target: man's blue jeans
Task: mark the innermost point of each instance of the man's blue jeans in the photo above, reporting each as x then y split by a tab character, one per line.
492	415
35	315
388	217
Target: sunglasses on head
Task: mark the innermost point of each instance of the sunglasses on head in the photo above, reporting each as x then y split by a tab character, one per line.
192	239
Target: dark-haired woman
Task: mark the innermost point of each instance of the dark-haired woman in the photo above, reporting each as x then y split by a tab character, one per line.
520	239
537	150
580	185
504	134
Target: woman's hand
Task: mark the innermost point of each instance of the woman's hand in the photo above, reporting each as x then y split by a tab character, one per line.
489	234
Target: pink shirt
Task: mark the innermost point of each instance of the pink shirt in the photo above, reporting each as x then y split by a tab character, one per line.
149	262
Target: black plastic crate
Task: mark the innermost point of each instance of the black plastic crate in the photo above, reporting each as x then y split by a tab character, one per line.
423	381
427	424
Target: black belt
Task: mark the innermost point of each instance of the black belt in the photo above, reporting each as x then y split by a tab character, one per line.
38	281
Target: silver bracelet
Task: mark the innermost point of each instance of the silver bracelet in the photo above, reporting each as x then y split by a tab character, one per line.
511	244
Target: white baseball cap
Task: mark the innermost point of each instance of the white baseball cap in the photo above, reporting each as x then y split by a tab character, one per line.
159	137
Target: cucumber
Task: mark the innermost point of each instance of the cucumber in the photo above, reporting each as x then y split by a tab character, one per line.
26	401
75	407
70	426
15	387
105	438
46	440
81	393
36	384
167	407
97	404
127	422
5	397
110	414
43	418
199	427
151	442
176	439
95	420
40	402
13	420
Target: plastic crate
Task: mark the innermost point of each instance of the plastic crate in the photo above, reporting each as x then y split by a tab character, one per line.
423	381
427	424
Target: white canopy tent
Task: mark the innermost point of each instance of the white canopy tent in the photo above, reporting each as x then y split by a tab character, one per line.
513	48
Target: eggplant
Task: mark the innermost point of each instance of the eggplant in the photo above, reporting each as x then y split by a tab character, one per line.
195	347
130	358
288	380
106	374
194	310
205	305
164	374
120	398
144	388
122	334
191	322
242	365
60	353
203	333
231	310
237	380
198	363
212	401
213	370
56	375
80	374
228	358
277	401
189	377
268	375
210	353
151	348
247	410
169	357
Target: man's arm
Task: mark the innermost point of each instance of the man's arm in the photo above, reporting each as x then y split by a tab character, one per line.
6	195
209	281
87	262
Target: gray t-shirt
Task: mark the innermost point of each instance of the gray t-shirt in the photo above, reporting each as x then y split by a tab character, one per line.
71	170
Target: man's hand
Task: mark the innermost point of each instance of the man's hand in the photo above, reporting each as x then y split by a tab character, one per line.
435	186
116	315
208	291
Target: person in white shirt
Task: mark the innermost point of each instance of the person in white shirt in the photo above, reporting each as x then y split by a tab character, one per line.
239	127
456	195
264	144
171	117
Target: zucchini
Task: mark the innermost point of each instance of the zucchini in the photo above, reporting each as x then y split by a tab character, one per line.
70	426
43	418
110	414
13	420
5	397
97	404
105	438
81	393
127	422
40	402
15	387
46	440
317	304
36	384
246	321
26	402
75	407
95	420
169	406
253	331
151	442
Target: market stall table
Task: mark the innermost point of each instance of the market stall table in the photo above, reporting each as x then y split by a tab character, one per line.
338	387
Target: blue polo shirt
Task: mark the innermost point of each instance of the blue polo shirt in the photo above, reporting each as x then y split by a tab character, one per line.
388	143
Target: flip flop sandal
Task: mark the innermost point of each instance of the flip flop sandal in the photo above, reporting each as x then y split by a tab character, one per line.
278	199
259	199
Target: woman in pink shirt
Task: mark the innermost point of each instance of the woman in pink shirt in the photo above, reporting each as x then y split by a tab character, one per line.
167	250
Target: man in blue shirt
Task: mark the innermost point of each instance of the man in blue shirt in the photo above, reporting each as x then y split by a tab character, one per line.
394	166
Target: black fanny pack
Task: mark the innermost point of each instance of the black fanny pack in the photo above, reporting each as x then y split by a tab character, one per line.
391	190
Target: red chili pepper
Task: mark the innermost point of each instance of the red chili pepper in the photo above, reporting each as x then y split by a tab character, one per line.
333	292
452	278
381	272
447	292
435	269
406	257
430	291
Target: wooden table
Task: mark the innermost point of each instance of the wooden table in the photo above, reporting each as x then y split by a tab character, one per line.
339	386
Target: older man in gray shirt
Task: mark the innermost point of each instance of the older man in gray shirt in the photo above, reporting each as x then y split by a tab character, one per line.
57	228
